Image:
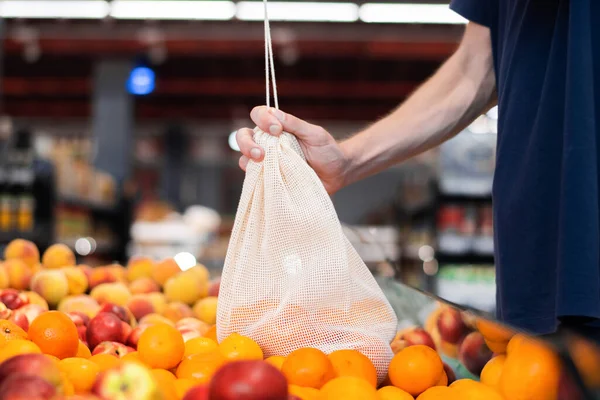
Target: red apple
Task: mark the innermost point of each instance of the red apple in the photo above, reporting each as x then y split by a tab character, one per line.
31	311
215	285
123	313
13	299
79	318
248	380
418	336
449	373
31	364
451	326
20	319
199	392
113	348
104	327
474	353
26	387
126	332
129	381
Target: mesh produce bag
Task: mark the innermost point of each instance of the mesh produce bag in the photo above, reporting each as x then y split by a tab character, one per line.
291	277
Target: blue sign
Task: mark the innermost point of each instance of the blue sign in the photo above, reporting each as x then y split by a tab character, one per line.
141	81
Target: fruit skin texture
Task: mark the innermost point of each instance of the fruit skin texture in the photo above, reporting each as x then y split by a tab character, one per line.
237	347
477	391
113	348
52	285
19	274
55	334
531	371
24	250
128	381
348	388
206	310
161	346
308	367
474	353
416	369
451	326
104	327
16	347
248	380
10	331
393	393
58	256
201	367
198	392
80	372
353	363
26	387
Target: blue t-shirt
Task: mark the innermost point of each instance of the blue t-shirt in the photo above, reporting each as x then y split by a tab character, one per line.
546	192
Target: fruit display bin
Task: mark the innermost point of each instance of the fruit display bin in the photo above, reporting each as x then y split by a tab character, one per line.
425	317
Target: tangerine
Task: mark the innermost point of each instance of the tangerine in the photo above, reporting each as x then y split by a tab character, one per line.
236	347
276	361
515	342
16	347
10	331
353	363
133	357
478	391
443	380
305	393
416	369
80	372
199	345
211	333
436	393
105	361
393	393
161	346
490	375
348	388
494	332
83	351
183	385
55	333
200	367
308	367
531	371
166	383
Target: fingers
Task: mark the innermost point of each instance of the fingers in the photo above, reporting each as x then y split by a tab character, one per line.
243	162
247	145
275	121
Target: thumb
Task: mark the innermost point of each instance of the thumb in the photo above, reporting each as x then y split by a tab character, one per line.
275	121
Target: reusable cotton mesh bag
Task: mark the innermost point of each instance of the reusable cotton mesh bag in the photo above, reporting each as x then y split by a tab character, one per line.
291	277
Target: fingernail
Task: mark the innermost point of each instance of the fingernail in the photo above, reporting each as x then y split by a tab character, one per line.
274	129
278	114
255	153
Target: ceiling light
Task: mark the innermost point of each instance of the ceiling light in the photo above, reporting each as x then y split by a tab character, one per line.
298	11
409	14
173	10
75	9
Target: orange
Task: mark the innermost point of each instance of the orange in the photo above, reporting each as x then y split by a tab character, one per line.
183	385
53	358
496	347
462	383
16	347
531	371
353	363
199	345
348	388
393	393
490	375
276	361
237	347
161	346
83	351
436	393
80	372
515	342
211	333
133	357
305	393
55	334
494	332
416	369
105	361
166	383
308	367
478	391
10	331
443	380
200	367
67	386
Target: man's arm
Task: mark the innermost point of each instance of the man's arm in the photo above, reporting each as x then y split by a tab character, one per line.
461	90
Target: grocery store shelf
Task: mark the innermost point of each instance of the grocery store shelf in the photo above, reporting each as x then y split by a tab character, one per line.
88	204
465	258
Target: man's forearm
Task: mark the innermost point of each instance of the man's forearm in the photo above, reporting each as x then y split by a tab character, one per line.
459	92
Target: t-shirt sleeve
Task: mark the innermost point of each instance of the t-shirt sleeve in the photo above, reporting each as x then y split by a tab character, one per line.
482	12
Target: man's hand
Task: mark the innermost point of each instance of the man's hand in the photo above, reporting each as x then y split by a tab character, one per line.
322	152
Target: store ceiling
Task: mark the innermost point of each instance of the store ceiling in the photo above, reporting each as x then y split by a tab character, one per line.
207	70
